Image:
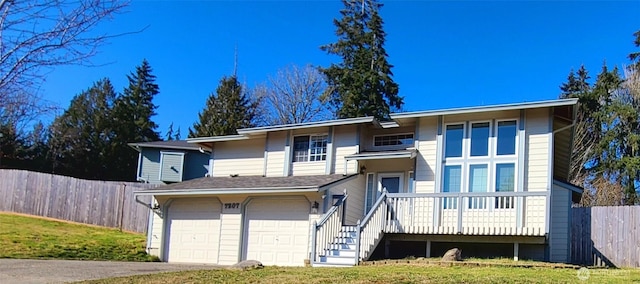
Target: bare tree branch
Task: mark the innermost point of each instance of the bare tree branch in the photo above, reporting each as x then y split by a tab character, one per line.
294	95
36	35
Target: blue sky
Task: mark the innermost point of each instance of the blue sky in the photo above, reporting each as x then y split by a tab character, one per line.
445	54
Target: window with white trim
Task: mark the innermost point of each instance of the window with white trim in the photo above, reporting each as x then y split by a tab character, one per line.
393	140
480	156
310	148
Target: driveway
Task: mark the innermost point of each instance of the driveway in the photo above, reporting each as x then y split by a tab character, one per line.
14	271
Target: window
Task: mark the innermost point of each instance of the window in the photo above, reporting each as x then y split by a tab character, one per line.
393	140
478	176
310	148
452	176
480	157
411	182
480	139
453	140
506	138
505	177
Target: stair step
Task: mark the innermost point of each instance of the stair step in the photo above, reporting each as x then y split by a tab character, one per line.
342	252
338	260
343	246
324	264
347	234
344	240
349	228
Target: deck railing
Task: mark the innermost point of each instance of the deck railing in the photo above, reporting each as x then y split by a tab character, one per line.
327	229
371	228
466	213
469	213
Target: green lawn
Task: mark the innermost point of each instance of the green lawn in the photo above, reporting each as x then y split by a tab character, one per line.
405	273
32	237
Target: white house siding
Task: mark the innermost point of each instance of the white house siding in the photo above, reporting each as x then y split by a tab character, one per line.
230	229
345	144
427	155
275	153
559	238
150	168
245	158
308	168
537	150
156	235
355	202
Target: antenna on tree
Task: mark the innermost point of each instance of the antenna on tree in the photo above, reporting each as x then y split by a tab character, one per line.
235	61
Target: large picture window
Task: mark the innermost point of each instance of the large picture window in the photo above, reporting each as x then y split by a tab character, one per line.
480	156
310	148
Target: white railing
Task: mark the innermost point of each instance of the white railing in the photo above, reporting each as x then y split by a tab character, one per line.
469	213
371	229
327	230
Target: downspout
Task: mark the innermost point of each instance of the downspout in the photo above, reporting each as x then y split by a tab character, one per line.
150	222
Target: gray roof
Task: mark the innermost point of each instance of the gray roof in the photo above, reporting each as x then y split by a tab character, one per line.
172	144
255	182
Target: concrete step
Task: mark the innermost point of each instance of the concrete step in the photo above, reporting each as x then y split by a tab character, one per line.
342	252
324	264
338	260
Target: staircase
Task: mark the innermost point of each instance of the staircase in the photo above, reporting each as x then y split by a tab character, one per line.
341	252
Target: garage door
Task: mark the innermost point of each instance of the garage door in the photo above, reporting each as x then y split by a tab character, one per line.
194	230
277	231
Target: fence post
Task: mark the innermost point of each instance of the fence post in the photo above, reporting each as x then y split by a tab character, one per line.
124	192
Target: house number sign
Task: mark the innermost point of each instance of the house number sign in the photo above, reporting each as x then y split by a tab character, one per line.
231	207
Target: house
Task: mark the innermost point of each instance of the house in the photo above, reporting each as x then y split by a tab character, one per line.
491	180
163	162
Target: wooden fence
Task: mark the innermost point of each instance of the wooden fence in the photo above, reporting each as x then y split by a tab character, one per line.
606	236
102	203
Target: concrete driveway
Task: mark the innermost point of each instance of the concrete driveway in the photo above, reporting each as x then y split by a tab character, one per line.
14	271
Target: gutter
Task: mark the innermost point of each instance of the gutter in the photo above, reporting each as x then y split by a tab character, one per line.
225	191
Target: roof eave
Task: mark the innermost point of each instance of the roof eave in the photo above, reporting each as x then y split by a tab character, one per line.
336	122
475	109
225	191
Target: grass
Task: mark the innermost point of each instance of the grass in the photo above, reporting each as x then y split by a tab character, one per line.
405	273
39	238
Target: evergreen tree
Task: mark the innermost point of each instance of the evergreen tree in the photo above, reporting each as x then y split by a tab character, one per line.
362	84
133	114
80	139
226	110
170	134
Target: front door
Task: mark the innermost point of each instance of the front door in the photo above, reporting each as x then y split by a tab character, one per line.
391	182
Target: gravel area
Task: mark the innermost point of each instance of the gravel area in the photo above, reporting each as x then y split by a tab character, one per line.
14	271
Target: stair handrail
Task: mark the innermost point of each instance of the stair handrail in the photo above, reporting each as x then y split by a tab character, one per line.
362	225
332	218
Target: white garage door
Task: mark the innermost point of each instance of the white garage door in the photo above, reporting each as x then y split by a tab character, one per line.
194	230
277	231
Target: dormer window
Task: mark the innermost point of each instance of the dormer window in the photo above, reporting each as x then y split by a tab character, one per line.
393	140
310	148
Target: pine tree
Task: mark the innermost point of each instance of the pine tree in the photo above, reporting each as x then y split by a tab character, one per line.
170	133
133	114
80	139
226	110
362	84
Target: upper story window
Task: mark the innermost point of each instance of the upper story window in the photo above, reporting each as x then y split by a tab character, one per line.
480	157
393	140
309	148
453	142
